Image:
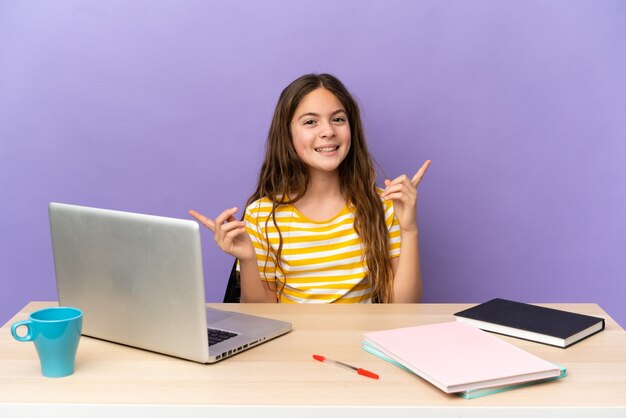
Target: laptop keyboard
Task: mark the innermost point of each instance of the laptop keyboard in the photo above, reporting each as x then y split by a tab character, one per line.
218	335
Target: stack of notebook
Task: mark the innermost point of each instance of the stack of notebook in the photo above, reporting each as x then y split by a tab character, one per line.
459	358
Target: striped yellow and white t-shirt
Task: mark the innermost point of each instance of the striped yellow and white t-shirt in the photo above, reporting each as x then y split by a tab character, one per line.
322	261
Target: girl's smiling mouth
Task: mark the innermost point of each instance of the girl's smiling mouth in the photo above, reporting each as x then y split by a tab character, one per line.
327	149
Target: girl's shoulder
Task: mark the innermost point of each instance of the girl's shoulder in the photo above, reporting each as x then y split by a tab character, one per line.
260	205
261	201
263	207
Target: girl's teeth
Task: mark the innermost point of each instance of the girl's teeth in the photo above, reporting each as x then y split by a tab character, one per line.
328	149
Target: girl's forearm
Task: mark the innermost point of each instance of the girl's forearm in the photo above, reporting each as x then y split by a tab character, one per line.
407	281
253	289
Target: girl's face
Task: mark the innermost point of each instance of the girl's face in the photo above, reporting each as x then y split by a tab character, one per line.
320	131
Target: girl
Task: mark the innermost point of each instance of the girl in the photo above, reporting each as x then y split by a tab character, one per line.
317	230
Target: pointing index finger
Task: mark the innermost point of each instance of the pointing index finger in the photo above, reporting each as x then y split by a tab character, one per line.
417	178
203	219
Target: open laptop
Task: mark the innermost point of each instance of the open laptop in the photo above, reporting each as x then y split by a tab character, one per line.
138	280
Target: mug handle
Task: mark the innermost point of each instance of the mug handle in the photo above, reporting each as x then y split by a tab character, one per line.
29	334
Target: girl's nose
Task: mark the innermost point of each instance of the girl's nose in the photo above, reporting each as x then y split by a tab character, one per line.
327	130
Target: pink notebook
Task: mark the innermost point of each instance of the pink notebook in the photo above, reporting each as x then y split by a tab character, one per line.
456	357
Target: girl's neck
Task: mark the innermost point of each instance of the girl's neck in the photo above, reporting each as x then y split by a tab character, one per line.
323	199
324	186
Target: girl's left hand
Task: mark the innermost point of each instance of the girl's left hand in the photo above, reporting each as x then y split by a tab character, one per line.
403	192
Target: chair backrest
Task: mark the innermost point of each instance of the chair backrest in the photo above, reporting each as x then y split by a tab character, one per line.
233	288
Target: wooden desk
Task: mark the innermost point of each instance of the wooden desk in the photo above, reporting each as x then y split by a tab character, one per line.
280	379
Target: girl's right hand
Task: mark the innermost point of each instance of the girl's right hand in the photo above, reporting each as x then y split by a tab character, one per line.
229	233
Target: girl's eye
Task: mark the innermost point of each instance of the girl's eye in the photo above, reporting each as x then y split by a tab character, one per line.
339	120
309	122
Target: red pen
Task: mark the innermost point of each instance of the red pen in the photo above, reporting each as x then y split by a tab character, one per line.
359	370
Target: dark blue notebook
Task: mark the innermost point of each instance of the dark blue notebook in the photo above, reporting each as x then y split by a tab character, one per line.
531	322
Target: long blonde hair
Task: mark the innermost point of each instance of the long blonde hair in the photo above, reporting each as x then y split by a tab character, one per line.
284	178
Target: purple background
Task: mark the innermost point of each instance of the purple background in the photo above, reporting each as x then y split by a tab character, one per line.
162	106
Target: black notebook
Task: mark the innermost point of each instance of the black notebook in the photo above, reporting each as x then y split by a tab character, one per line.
531	322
